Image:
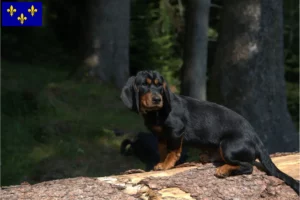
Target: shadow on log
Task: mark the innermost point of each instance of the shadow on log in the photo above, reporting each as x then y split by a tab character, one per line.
185	183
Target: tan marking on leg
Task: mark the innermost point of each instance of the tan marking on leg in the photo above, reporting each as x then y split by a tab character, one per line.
225	170
170	159
162	149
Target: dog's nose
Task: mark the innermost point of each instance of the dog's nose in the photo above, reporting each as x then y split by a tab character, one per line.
156	99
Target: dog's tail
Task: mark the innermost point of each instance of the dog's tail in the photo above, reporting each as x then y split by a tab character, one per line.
271	169
123	147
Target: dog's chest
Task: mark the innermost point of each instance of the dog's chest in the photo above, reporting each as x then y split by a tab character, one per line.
155	124
156	128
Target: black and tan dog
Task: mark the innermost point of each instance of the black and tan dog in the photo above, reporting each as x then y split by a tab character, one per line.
175	119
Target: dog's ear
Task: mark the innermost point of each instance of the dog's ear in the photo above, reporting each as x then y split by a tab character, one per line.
130	95
167	96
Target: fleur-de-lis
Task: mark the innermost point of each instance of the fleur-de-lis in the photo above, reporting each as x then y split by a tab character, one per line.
11	10
22	18
32	10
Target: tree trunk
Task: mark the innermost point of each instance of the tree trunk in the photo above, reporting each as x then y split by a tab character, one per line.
183	183
195	49
248	74
107	45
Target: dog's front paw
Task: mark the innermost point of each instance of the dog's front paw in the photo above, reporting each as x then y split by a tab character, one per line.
159	166
162	166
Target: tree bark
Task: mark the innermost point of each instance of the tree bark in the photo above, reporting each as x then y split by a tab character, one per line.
107	41
183	183
248	74
193	80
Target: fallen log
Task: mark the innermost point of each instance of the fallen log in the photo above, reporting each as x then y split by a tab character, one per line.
185	183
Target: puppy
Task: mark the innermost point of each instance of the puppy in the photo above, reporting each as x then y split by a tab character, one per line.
175	119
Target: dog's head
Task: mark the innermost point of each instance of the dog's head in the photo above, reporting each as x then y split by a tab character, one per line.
147	91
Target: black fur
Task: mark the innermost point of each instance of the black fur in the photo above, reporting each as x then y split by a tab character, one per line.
145	147
203	124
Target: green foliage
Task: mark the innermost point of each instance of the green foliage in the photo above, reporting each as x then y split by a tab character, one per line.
153	40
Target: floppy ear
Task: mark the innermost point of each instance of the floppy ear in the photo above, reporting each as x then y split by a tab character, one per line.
166	94
130	95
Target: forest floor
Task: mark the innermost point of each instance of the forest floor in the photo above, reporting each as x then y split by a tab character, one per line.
53	128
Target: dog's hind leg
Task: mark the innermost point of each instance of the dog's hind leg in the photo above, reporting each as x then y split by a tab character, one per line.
238	155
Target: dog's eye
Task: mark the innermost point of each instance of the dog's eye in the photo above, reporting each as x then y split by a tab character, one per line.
157	83
144	84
